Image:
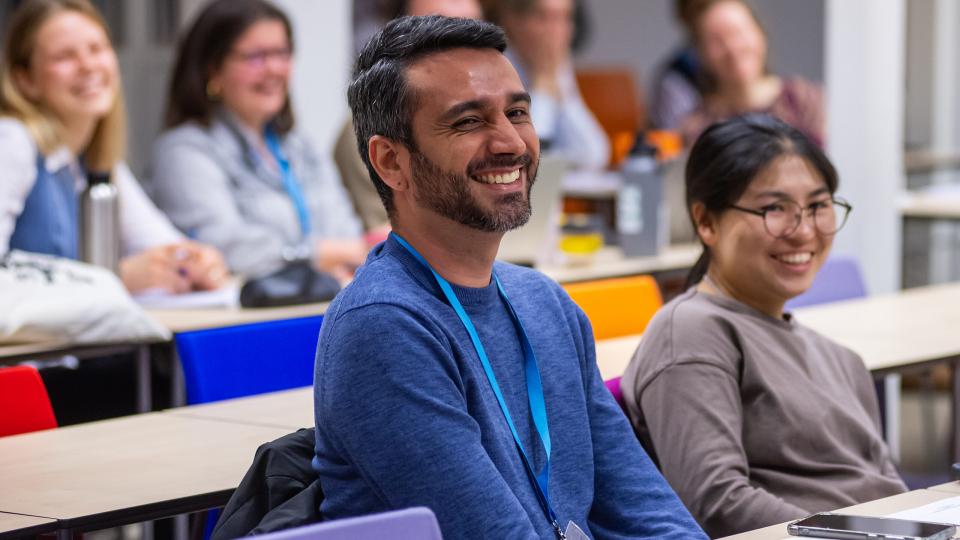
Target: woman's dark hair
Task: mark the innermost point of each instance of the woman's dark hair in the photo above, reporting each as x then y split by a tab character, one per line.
202	51
730	154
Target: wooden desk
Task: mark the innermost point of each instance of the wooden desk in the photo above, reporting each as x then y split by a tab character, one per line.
925	160
890	332
949	487
187	320
609	262
288	409
18	525
894	331
126	470
930	206
613	355
877	508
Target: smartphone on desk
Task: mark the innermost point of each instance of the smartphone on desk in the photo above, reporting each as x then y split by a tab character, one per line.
830	525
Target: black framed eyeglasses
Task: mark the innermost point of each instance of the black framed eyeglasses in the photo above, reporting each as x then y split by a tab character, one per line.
782	218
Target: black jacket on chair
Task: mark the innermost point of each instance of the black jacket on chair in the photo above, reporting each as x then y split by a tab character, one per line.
279	491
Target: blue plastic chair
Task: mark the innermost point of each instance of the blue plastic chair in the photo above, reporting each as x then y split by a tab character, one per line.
838	279
248	359
411	524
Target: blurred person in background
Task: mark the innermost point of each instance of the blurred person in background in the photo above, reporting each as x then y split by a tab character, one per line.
732	47
677	87
61	116
231	169
352	170
541	35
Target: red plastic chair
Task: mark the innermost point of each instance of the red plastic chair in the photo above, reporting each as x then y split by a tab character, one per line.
24	403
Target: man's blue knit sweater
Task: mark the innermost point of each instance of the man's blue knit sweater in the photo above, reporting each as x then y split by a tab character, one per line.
406	417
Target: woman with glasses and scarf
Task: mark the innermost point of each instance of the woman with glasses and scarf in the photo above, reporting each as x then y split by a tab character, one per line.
753	418
231	170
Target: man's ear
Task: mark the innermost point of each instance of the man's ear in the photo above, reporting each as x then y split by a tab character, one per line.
391	160
705	223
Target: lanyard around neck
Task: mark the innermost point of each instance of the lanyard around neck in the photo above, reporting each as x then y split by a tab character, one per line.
538	406
290	183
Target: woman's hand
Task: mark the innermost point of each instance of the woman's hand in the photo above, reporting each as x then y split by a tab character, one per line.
339	258
175	268
203	265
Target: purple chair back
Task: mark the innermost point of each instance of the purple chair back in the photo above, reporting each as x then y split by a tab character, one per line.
410	524
838	279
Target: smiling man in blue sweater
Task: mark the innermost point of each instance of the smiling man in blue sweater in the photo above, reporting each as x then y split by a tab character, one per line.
444	379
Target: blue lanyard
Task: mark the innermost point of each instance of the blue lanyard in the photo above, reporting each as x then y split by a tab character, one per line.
290	183
538	406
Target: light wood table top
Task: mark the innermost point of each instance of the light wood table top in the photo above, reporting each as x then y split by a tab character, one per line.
613	355
949	487
19	525
126	470
930	206
888	331
186	320
877	508
609	262
288	409
925	160
894	330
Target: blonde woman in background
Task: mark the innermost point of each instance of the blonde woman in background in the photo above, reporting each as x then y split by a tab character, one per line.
61	115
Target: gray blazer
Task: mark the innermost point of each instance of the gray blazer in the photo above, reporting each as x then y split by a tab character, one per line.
216	189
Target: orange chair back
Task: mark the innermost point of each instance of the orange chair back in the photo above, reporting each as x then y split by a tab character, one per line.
611	95
24	403
617	307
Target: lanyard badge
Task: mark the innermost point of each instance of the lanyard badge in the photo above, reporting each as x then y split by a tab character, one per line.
538	408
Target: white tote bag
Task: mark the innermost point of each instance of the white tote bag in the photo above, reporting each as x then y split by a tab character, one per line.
46	298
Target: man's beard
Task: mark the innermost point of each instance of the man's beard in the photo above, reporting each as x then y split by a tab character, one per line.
448	194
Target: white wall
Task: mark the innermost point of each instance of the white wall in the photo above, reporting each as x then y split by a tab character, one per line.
323	63
865	44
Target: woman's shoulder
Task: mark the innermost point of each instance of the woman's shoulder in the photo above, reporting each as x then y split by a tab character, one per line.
15	135
692	327
187	133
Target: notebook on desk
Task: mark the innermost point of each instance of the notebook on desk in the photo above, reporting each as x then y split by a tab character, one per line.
535	242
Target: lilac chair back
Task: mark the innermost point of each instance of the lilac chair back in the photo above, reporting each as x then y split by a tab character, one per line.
410	524
838	279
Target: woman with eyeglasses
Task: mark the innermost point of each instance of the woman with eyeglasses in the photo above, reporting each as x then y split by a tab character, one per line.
231	170
61	117
753	418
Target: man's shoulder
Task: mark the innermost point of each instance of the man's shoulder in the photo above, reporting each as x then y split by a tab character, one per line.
383	280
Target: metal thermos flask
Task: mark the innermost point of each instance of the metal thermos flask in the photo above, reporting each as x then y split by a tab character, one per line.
100	222
642	224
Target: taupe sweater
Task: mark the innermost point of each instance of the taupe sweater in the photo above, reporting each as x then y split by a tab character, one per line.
755	420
